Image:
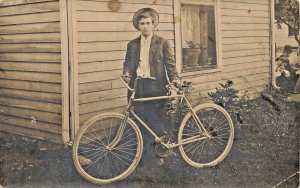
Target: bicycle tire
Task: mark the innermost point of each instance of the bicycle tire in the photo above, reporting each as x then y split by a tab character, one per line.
218	124
91	156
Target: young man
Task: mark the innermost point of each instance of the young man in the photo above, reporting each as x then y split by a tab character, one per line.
147	56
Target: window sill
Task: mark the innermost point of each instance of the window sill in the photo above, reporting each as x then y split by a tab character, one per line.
200	72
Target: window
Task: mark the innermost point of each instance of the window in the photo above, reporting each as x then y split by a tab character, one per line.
197	36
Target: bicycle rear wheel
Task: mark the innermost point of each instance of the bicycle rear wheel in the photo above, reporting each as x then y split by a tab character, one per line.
97	159
208	151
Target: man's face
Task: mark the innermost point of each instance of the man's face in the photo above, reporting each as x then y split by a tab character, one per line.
146	26
285	54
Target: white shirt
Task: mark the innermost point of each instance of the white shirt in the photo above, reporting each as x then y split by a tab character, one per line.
144	66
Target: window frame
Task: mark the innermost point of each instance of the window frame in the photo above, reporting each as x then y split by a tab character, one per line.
178	45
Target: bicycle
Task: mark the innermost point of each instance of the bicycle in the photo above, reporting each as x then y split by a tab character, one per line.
108	147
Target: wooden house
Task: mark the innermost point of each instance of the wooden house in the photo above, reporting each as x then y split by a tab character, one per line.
61	60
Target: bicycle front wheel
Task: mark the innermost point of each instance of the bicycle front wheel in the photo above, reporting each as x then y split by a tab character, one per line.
208	151
105	150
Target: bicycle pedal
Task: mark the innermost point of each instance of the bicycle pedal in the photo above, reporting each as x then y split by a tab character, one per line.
160	162
83	160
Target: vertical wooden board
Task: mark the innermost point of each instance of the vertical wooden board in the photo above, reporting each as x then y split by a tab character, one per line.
65	97
73	69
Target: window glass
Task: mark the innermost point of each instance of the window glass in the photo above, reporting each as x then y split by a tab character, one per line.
198	37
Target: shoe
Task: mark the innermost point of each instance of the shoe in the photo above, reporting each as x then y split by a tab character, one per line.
160	162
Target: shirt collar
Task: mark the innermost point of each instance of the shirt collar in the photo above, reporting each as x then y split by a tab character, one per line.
148	38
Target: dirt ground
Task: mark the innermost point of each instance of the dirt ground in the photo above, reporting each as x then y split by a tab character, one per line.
264	154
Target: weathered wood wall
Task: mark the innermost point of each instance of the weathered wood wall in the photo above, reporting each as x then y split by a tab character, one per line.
30	62
103	35
102	39
245	46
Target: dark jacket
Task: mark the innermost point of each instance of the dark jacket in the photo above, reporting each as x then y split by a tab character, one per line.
161	60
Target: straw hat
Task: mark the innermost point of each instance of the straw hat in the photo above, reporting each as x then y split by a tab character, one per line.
142	11
287	49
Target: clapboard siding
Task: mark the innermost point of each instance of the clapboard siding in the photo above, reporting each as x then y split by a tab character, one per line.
31	95
145	2
20	2
31	67
28	123
102	39
102	36
31	86
100	66
29	28
30	62
30	38
31	57
30	18
30	8
33	47
118	26
29	113
116	36
125	7
34	133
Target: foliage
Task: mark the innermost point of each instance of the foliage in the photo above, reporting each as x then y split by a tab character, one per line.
175	106
226	96
287	12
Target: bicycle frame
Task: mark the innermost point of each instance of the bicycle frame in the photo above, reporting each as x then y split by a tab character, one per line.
129	111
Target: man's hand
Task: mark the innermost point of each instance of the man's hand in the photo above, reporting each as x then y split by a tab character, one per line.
177	82
126	77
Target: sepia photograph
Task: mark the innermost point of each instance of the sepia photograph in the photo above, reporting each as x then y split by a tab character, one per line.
149	93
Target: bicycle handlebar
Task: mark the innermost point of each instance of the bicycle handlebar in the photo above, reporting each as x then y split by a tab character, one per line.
125	83
139	77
